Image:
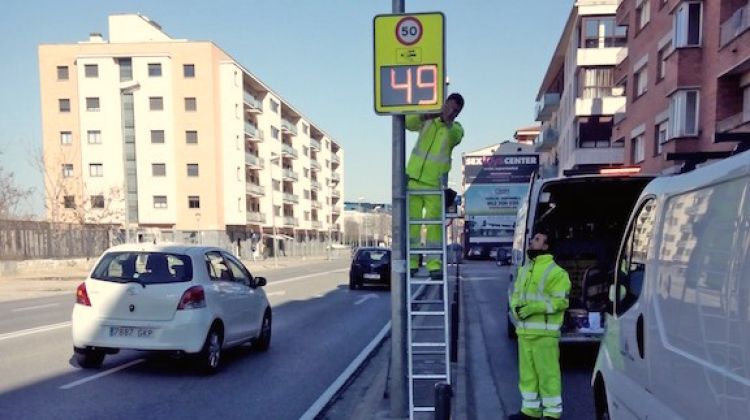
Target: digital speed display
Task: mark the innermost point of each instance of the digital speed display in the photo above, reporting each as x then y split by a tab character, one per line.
409	85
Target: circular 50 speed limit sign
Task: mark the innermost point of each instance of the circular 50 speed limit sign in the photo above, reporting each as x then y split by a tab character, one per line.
409	30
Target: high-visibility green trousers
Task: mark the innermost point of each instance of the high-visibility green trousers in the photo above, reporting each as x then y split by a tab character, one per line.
539	376
424	207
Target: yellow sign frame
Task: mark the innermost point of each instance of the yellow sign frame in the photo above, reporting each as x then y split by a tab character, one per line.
408	47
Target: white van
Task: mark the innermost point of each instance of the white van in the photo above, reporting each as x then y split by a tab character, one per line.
677	344
586	217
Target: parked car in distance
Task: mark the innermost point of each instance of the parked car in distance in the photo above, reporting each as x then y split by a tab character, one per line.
370	266
503	255
195	300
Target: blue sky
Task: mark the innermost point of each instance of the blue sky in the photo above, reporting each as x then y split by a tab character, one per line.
497	52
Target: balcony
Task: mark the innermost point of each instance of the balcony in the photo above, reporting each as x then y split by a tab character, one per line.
316	224
288	127
254	105
290	221
335	159
316	204
607	105
735	25
288	151
734	123
619	115
549	103
335	177
255	190
253	133
289	175
546	140
315	165
335	194
315	145
289	198
315	185
256	217
621	56
335	210
253	161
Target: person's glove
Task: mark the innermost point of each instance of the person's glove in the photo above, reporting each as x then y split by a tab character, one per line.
531	308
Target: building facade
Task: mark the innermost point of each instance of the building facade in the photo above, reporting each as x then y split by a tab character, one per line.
172	139
577	98
686	72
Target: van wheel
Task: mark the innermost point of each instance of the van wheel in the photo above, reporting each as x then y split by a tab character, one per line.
209	358
263	342
89	358
600	401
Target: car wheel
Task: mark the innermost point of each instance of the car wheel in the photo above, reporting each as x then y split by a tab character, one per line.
209	359
89	358
263	342
602	408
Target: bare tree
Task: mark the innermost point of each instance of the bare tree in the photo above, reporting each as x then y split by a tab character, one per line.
12	196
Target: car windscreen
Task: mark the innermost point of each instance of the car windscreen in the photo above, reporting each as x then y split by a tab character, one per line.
373	255
144	268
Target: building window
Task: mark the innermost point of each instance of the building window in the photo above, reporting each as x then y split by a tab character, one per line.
159	169
594	131
194	202
155	103
91	70
191	137
274	132
191	104
64	105
601	32
188	70
306	172
687	25
92	104
69	202
683	113
192	169
643	14
154	70
97	201
160	201
276	185
66	137
307	215
96	170
641	82
94	136
305	128
306	194
126	69
660	137
62	73
304	150
661	62
274	106
595	82
157	136
637	149
277	210
67	170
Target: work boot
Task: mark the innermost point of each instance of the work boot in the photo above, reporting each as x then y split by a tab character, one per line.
521	416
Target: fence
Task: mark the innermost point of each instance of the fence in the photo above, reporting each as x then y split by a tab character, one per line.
24	240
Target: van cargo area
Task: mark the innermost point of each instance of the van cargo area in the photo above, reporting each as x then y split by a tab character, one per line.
586	219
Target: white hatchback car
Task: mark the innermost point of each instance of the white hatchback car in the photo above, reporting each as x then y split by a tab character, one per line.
181	298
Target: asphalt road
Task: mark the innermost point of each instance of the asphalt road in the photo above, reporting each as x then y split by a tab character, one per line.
485	287
319	327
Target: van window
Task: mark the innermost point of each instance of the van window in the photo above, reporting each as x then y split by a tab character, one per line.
631	266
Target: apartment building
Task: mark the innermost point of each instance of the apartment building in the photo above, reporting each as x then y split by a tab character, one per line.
686	73
172	139
577	98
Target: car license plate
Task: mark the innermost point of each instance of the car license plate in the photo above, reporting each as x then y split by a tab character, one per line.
372	276
131	332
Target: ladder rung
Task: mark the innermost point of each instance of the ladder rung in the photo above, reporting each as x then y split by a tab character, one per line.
424	409
427	327
428	251
428	353
441	313
427	302
425	222
425	192
428	344
429	376
417	282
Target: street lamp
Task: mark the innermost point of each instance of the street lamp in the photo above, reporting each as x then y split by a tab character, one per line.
362	220
198	223
274	157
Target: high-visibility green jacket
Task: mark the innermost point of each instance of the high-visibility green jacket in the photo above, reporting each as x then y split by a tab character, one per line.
540	280
430	159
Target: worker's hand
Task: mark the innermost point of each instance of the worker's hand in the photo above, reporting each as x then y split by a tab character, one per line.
531	308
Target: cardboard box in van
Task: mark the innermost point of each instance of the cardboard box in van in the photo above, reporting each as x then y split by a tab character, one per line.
586	217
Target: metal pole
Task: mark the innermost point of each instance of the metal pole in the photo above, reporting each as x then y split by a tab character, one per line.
399	391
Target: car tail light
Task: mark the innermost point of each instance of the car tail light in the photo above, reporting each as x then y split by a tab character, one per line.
193	297
82	296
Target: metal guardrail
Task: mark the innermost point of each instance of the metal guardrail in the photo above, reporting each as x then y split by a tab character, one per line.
255	189
291	198
253	132
253	102
735	25
254	160
289	174
256	217
289	150
288	126
314	144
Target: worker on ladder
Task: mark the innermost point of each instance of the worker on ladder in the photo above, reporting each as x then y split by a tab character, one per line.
428	166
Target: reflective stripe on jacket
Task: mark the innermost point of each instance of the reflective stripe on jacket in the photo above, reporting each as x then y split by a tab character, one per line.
541	280
431	157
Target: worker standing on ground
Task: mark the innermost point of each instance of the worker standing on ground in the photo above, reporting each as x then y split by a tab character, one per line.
427	169
537	308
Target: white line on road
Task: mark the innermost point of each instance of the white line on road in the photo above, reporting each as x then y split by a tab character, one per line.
365	298
323	400
291	279
101	374
279	293
29	308
30	331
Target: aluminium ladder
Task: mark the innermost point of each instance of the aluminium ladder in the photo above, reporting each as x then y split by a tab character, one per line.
427	316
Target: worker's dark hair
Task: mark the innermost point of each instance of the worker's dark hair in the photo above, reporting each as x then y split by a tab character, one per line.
457	98
548	235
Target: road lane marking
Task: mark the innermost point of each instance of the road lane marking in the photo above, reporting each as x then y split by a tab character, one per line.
291	279
102	374
329	393
31	308
365	298
279	293
30	331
